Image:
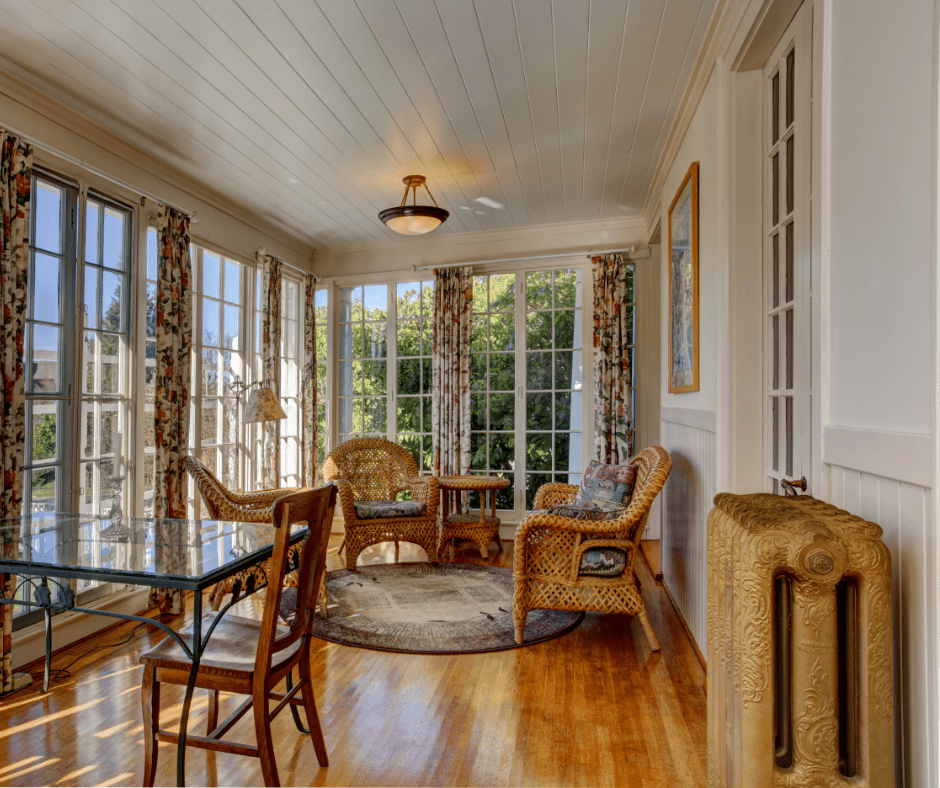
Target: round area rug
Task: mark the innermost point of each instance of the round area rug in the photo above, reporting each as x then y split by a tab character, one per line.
431	609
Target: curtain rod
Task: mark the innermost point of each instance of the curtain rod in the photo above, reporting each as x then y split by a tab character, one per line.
634	253
262	250
100	173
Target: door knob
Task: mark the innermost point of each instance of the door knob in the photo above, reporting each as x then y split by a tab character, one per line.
790	486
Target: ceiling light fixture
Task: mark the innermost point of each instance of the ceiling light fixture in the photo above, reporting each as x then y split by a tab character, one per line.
414	219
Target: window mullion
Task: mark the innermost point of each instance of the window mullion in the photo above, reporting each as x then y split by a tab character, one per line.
391	362
519	397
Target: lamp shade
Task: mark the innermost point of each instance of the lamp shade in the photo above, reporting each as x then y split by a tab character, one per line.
414	219
263	406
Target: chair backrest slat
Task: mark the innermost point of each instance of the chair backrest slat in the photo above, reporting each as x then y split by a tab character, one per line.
315	508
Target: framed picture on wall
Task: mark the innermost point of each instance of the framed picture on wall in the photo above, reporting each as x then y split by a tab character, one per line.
683	286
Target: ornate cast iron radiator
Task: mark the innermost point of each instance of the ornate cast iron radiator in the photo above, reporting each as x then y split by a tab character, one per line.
800	661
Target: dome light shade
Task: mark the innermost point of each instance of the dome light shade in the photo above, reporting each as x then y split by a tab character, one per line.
414	219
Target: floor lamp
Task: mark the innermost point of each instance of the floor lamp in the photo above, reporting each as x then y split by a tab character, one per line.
262	405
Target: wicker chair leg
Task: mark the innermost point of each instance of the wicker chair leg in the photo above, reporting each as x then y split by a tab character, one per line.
648	628
351	558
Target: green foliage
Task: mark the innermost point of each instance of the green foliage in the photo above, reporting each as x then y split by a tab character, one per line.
44	436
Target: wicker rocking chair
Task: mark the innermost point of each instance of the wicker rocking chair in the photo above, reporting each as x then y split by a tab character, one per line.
549	550
241	507
371	472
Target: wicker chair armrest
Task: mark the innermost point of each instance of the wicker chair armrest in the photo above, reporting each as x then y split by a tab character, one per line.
427	490
347	500
263	498
596	528
554	493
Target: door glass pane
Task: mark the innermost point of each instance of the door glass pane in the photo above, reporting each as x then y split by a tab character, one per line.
49	209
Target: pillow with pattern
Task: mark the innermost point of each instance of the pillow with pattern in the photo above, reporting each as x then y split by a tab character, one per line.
606	486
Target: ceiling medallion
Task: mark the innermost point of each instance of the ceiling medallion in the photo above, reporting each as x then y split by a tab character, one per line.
414	219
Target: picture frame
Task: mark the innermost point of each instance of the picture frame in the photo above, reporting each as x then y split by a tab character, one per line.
683	367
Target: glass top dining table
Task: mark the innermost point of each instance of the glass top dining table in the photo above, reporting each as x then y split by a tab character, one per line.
137	552
49	547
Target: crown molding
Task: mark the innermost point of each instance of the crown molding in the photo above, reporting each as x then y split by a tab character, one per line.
725	20
550	232
58	108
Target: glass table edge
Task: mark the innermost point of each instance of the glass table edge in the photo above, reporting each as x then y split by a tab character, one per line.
183	582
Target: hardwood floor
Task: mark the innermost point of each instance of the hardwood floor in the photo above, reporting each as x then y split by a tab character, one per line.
594	707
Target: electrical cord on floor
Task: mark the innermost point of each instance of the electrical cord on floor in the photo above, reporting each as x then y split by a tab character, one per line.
58	674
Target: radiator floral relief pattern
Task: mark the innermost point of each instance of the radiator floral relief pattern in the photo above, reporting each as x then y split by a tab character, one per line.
752	541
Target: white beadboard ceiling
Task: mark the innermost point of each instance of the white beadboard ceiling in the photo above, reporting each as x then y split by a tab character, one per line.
519	112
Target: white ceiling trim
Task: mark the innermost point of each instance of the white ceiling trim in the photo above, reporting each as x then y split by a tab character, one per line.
726	20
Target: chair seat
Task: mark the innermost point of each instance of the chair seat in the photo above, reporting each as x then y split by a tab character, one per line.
231	649
377	510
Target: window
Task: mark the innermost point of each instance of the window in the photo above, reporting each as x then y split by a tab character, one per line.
49	335
77	355
291	365
363	366
415	305
554	379
493	382
105	392
219	354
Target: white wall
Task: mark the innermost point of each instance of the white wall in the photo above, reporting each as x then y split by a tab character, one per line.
879	443
688	420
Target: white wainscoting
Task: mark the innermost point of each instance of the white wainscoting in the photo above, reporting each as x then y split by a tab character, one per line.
687	500
903	511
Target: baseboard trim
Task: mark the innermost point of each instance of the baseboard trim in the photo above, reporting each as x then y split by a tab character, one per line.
688	633
650	550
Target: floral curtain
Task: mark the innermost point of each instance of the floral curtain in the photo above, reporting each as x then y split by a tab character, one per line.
16	166
171	411
271	361
613	416
308	386
450	391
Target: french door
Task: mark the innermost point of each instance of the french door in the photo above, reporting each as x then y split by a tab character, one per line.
787	260
77	355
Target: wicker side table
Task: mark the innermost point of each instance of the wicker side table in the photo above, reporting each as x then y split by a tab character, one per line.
480	529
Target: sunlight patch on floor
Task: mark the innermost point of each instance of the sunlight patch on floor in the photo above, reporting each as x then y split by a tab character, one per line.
48	718
70	777
31	768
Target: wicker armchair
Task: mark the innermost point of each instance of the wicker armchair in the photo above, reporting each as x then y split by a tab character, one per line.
548	551
235	506
372	469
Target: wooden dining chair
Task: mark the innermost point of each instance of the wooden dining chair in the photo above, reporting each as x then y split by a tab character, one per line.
250	657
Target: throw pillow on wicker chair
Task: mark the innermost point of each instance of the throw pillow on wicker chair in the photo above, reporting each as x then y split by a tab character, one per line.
603	562
606	486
